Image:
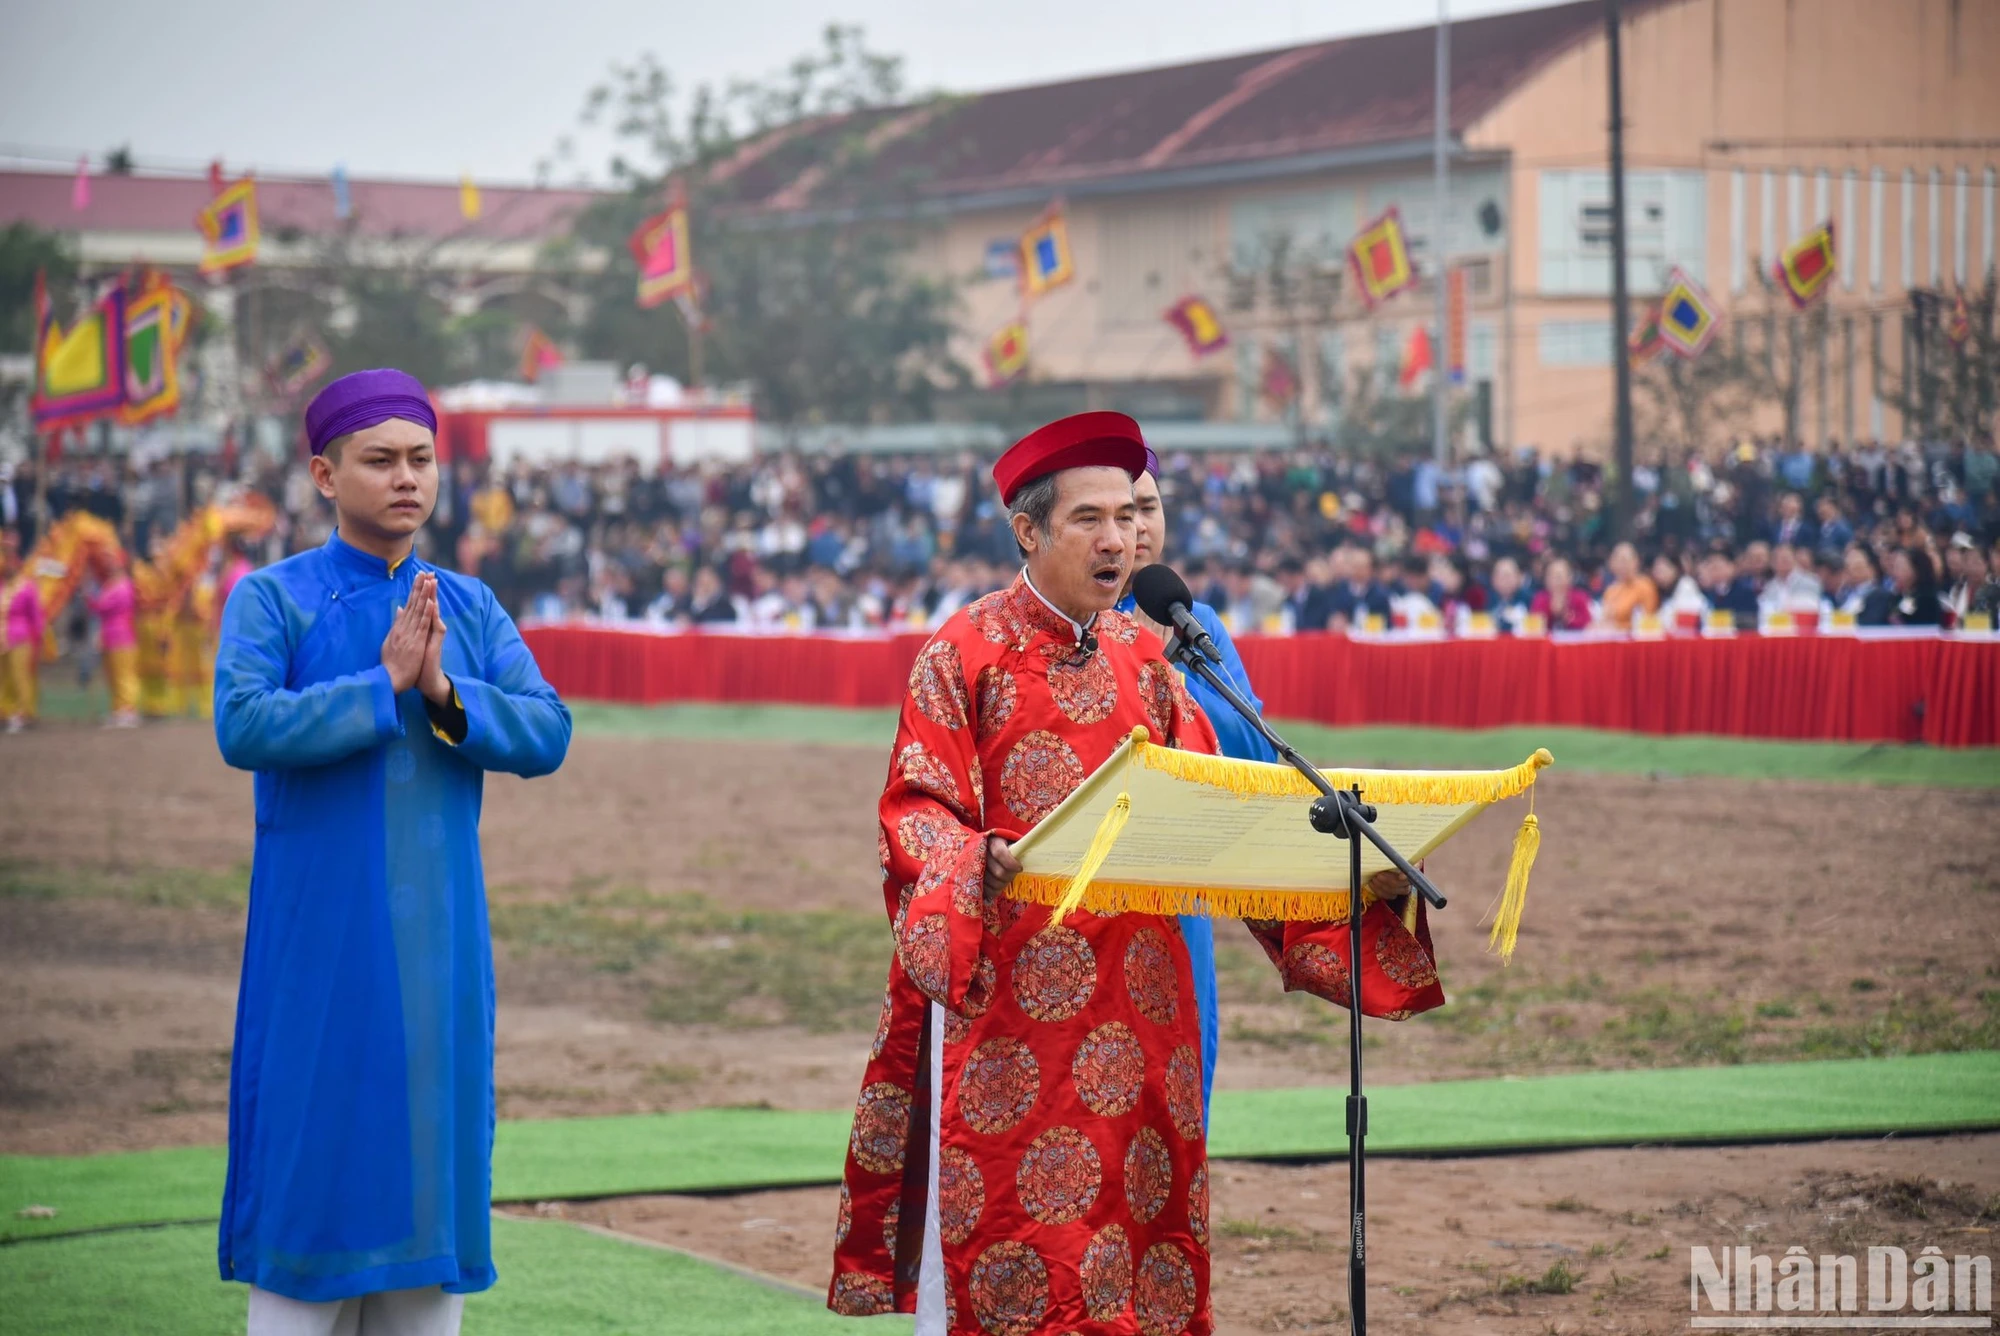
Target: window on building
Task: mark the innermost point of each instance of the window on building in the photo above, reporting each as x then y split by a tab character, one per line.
1961	187
1986	228
1849	235
1936	203
1575	343
1875	184
1909	228
1665	222
1249	373
1152	256
1482	351
1331	374
1738	238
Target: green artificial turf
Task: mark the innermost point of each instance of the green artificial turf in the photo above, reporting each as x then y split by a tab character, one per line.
554	1278
1576	749
716	1149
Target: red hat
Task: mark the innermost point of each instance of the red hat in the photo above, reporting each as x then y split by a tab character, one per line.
1087	440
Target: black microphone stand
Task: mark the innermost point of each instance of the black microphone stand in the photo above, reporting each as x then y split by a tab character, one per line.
1341	814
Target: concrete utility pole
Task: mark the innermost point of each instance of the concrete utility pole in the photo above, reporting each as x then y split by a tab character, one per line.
1621	300
1440	194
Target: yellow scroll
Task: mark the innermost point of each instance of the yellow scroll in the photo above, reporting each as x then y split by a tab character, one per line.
1164	831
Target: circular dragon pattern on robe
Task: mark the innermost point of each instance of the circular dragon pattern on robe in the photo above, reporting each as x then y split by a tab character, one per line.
961	1195
1184	1091
1198	1205
927	832
882	851
1149	976
1109	1070
1403	958
891	1219
1085	692
1149	1175
998	619
844	1221
926	954
1106	1274
881	1126
904	895
1010	1289
1189	711
1059	1177
881	1028
1040	772
1156	694
1164	1293
1001	913
928	775
1317	969
1055	972
858	1294
937	684
1118	626
994	694
964	877
998	1085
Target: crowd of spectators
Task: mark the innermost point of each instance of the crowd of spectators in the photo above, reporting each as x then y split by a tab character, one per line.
1302	540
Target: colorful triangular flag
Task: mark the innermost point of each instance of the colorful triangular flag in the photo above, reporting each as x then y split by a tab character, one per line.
79	371
1416	358
152	354
665	259
1196	319
1007	353
1380	259
1687	316
1046	262
538	354
1808	265
229	230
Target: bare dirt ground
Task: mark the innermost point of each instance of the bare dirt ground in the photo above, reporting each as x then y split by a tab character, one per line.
1584	1241
684	924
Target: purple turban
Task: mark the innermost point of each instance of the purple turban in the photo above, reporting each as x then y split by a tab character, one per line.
1152	463
365	399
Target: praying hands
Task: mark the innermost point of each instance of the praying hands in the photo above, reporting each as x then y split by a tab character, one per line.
413	651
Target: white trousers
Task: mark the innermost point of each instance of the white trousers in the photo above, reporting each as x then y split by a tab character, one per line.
427	1312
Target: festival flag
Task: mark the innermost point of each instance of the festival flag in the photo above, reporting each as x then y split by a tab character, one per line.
79	190
1380	258
1958	327
229	229
666	262
152	374
538	354
1687	316
1808	265
1416	358
1646	341
1007	353
1280	382
343	199
1045	256
79	371
468	198
298	364
1199	324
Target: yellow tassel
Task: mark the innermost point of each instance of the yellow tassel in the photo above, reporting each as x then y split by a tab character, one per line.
1410	912
1256	779
1514	899
1108	831
1125	897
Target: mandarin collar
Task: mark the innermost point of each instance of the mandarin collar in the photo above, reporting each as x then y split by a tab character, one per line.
365	564
1076	627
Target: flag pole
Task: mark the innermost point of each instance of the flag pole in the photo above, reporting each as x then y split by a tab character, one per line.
1440	132
1621	298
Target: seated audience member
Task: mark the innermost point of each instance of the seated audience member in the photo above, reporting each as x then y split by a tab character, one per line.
1976	590
1865	591
1725	591
1356	596
1791	528
711	603
1835	533
1790	588
1628	593
1411	602
1917	602
1458	594
1560	604
1510	596
1681	603
1754	568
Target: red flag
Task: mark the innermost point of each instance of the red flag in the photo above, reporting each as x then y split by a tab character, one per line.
1416	357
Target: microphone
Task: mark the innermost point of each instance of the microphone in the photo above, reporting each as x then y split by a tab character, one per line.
1163	596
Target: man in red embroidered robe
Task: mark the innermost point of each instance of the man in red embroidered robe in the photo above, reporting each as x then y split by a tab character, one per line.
1028	1154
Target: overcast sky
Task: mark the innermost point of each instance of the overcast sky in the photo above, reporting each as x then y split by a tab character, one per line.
438	87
